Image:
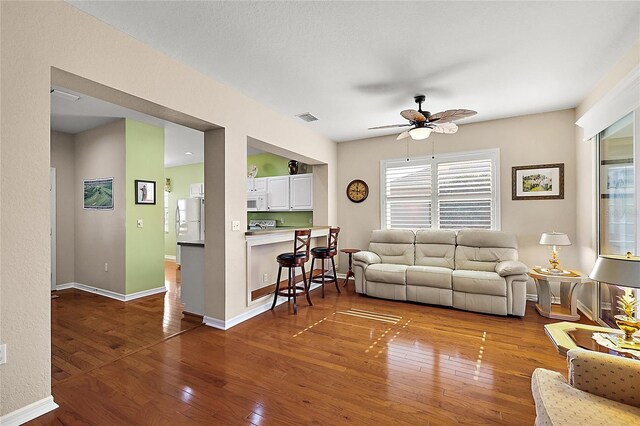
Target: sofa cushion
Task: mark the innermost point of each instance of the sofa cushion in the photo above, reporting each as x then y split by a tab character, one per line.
394	246
429	276
435	248
386	273
486	238
481	250
511	267
479	282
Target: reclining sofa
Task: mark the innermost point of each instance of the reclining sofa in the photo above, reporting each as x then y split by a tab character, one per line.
474	270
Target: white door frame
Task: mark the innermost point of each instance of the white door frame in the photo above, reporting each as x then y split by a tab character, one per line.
52	232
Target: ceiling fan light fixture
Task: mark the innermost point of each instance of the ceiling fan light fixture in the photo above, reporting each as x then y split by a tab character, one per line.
420	133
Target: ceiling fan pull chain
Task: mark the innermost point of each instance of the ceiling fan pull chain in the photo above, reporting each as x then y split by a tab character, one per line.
407	149
433	149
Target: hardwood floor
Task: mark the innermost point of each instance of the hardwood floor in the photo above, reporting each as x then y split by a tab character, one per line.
346	359
89	331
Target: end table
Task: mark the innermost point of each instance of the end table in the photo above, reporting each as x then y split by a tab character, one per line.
568	309
350	273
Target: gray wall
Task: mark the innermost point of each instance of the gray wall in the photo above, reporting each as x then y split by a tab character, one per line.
100	235
62	158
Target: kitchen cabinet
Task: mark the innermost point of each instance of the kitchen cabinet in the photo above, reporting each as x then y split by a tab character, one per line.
278	190
301	191
196	190
257	185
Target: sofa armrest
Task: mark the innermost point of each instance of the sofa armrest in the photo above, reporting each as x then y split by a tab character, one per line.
511	267
366	257
609	376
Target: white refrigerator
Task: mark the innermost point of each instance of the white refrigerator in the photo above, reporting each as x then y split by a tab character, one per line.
189	222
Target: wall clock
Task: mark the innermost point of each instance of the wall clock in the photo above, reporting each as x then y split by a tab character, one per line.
357	191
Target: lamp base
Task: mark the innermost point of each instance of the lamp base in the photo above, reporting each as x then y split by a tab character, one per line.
554	271
629	325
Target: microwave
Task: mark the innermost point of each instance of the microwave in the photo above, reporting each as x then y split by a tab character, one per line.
257	202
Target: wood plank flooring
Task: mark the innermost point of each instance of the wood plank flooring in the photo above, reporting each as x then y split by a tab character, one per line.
348	359
90	331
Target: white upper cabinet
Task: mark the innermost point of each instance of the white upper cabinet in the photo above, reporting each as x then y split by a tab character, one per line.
257	185
196	190
278	190
301	192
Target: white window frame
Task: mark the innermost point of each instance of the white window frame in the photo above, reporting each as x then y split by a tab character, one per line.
492	154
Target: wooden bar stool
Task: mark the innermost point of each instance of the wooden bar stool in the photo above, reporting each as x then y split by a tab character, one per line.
324	253
297	259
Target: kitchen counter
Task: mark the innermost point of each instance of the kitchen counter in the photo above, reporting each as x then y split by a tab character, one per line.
197	243
282	229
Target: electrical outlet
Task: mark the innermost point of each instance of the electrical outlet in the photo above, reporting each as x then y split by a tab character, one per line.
310	221
265	278
106	267
235	225
282	220
139	223
3	353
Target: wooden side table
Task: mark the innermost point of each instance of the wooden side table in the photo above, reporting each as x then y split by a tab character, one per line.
350	273
568	308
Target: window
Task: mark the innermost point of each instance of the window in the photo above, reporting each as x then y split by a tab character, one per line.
452	191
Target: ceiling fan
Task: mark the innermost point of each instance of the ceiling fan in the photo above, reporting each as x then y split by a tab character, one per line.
423	122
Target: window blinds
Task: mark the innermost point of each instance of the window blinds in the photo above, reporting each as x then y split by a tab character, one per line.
408	195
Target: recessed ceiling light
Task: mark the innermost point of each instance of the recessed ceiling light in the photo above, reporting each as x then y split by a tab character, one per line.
189	153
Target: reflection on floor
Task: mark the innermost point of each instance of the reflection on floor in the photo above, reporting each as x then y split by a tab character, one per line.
89	331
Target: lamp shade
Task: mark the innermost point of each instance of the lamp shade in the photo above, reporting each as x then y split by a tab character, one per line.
554	239
621	270
420	133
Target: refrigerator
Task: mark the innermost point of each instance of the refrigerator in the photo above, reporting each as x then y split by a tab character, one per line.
189	221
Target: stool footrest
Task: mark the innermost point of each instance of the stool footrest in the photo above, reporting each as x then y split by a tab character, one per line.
297	290
327	278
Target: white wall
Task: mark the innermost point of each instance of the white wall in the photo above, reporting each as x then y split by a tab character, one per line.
532	139
37	36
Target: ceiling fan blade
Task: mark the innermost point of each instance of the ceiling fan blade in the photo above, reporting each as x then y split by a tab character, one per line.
403	135
446	128
390	126
413	115
451	115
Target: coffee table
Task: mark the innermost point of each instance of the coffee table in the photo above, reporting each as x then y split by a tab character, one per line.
567	335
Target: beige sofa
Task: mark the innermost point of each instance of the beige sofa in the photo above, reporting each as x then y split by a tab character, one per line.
602	389
474	270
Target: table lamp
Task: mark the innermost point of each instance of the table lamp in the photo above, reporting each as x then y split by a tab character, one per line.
623	271
554	239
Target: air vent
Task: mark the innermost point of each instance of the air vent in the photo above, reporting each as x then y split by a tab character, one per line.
308	117
64	95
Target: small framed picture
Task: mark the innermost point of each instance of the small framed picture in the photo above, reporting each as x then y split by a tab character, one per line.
145	192
538	182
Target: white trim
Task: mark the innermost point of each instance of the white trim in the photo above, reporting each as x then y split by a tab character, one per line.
169	257
29	412
112	294
532	297
53	226
264	307
433	160
618	102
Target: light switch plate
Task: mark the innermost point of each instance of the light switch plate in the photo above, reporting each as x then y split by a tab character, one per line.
3	353
235	225
139	223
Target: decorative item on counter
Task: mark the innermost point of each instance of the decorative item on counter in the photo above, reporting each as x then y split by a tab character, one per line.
167	185
252	171
293	167
623	271
554	239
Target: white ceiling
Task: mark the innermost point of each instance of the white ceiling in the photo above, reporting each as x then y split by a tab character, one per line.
88	112
356	64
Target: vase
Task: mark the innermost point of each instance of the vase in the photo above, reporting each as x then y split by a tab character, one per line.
293	167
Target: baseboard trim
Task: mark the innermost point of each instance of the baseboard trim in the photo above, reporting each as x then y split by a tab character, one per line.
29	412
532	297
169	257
112	294
585	310
225	325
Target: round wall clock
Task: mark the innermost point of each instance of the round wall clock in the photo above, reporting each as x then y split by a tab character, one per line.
357	191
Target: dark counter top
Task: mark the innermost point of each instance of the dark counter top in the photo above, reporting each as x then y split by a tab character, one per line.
282	229
197	243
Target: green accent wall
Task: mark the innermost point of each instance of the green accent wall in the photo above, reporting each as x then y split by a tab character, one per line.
181	177
144	247
275	165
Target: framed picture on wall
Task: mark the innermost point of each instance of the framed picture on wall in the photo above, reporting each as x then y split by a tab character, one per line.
145	191
617	178
97	194
538	182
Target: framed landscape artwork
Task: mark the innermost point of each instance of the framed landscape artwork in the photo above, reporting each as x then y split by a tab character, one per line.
98	194
538	182
145	192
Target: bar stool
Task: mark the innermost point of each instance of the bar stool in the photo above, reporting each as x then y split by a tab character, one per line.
297	259
324	253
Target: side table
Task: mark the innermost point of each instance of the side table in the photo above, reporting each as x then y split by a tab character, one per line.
568	309
350	273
